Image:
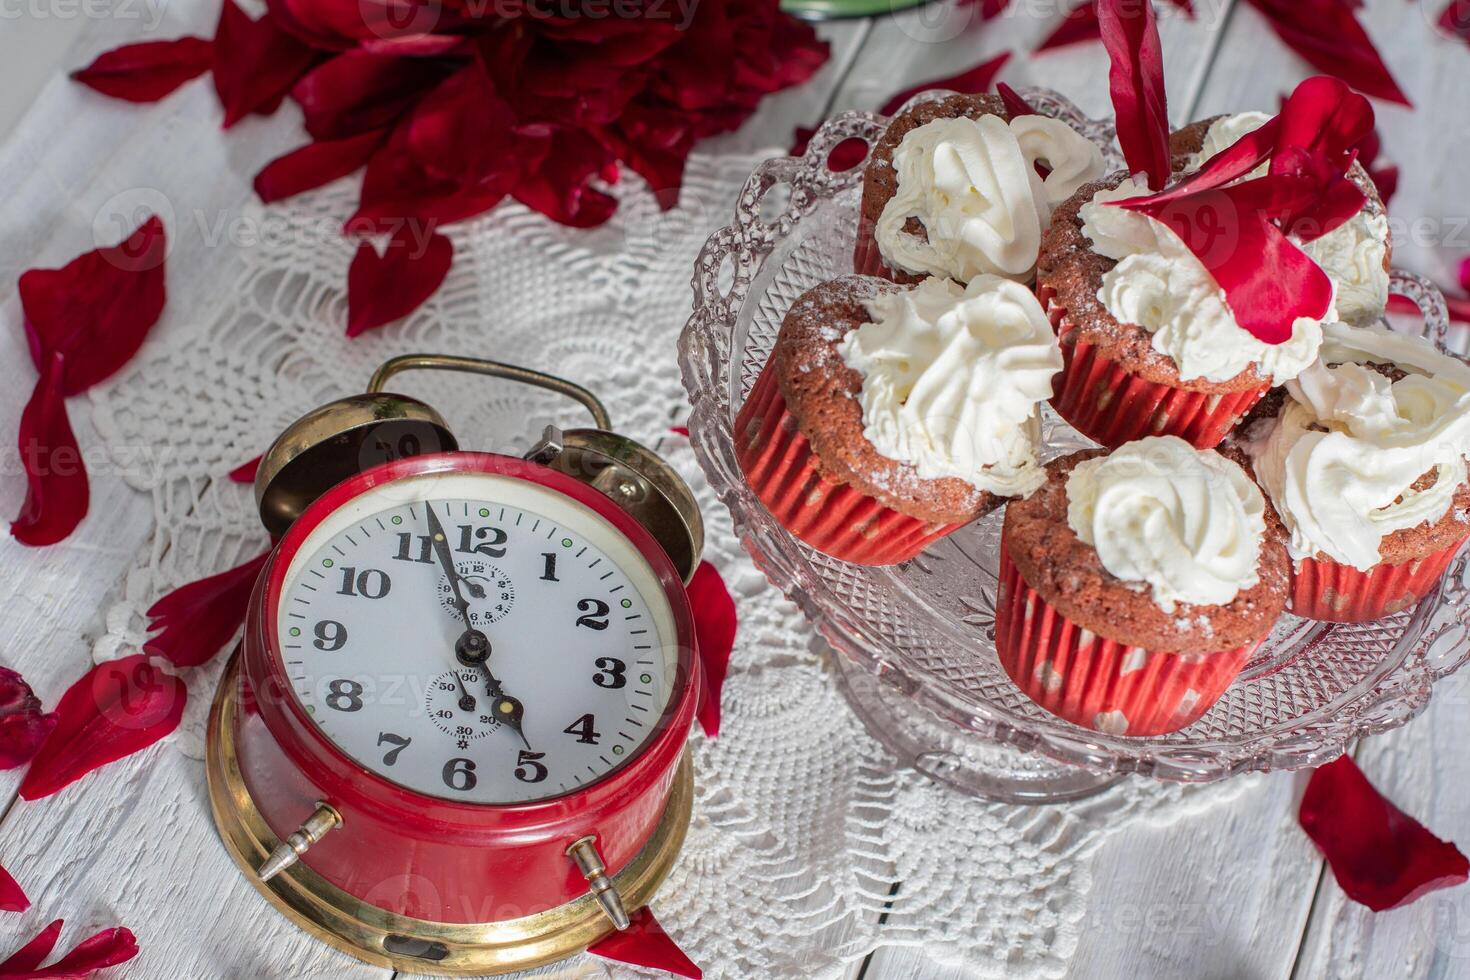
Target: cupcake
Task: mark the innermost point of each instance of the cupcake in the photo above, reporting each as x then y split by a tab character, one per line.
889	416
1135	585
955	188
1357	256
1365	462
1150	343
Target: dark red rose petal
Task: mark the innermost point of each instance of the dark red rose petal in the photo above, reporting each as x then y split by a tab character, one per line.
1328	35
57	492
245	472
148	71
1136	81
381	289
714	631
23	725
114	710
12	898
644	943
1079	25
33	953
314	165
194	622
255	63
971	81
1382	857
97	309
1455	19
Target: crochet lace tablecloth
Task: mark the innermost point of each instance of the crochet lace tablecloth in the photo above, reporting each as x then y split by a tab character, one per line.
809	847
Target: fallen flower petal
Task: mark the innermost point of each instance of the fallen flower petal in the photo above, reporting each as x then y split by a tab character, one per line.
1015	104
644	943
194	622
358	92
715	623
98	308
314	165
971	81
1459	307
115	709
245	472
1328	35
1136	82
23	725
33	953
12	896
148	71
1455	19
57	493
1079	25
1465	273
381	289
255	63
1381	857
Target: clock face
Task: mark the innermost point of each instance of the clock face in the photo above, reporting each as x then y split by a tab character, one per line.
379	640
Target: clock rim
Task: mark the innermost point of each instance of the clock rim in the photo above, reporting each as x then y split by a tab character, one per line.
323	761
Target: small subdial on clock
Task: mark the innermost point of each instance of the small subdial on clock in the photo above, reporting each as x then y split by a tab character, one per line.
443	705
487	589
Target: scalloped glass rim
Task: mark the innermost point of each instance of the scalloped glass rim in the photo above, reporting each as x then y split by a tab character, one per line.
1407	654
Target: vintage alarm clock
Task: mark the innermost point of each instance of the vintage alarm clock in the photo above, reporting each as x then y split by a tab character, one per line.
453	738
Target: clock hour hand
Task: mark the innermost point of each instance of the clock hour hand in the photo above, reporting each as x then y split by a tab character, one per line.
473	650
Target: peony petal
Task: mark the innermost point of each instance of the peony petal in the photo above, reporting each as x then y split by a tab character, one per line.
560	188
33	953
381	289
255	63
12	898
644	943
148	71
1465	273
1136	81
1381	857
195	621
358	92
245	472
97	309
680	430
1454	20
714	632
107	948
314	165
1015	104
23	725
971	81
1328	35
57	493
115	709
1081	24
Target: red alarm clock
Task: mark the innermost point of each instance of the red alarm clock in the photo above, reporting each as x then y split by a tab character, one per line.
453	739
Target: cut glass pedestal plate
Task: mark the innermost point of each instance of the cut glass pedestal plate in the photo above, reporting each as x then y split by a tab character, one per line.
914	643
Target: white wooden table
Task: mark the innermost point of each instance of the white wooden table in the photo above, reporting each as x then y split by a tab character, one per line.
1235	893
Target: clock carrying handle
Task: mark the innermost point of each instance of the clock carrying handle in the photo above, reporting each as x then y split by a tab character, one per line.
493	369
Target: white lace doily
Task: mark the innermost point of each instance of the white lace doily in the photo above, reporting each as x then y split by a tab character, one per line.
808	848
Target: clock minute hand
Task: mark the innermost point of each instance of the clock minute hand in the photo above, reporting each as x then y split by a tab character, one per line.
441	548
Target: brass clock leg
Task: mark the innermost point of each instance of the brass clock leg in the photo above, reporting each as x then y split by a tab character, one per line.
589	862
318	825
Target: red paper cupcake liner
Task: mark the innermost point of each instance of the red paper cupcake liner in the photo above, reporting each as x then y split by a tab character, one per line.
833	518
1323	589
1111	405
1100	684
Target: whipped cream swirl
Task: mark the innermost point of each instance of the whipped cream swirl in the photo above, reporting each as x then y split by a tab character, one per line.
974	186
952	377
1159	285
1353	254
1341	460
1186	522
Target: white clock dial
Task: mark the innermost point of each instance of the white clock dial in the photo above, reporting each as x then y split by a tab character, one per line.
580	630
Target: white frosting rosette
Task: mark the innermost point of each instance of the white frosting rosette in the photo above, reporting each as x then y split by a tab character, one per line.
974	186
1184	522
1341	459
952	377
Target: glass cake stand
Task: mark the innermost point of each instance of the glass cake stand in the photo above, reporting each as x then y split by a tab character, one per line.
915	642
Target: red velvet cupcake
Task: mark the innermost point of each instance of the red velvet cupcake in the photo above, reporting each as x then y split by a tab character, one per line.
1365	460
888	417
1135	585
952	189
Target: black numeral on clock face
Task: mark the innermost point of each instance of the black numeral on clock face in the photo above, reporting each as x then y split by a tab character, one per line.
529	768
370	583
611	673
582	728
406	549
459	774
469	534
398	742
549	572
344	695
331	635
596	614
